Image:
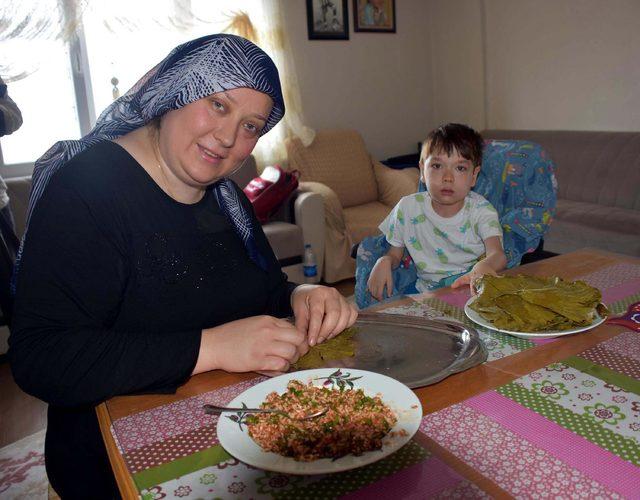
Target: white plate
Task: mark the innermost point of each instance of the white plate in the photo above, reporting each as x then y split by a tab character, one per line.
476	318
394	394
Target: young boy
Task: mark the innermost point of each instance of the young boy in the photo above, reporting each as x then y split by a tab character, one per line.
452	234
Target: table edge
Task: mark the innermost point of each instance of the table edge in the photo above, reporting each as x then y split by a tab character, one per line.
127	487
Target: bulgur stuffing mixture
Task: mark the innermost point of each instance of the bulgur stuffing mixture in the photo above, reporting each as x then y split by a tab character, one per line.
355	423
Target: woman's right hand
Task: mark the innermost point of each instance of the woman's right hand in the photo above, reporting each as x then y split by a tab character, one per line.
258	343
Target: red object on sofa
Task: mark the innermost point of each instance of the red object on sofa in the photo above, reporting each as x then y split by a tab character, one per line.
269	191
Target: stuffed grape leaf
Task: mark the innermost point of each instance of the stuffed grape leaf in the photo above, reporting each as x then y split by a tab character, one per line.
536	304
340	346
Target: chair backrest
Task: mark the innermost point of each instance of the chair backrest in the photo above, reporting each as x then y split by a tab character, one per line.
338	159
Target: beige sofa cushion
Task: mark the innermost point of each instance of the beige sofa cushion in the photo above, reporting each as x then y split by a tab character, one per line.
614	219
363	220
579	224
566	237
338	159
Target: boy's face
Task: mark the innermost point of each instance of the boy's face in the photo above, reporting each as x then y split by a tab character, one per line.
449	179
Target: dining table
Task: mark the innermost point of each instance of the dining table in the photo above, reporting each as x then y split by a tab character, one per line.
553	417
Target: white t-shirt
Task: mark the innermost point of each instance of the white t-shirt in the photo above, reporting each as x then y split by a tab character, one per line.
441	246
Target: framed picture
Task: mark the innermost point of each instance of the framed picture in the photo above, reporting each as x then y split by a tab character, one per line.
376	16
327	20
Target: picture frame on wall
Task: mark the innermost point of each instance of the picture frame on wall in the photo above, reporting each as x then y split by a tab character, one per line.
374	16
327	19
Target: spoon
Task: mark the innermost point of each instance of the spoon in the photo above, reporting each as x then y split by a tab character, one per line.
215	410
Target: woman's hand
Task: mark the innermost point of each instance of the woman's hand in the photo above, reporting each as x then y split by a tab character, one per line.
321	312
258	343
478	271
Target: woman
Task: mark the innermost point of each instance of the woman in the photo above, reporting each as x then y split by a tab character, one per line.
143	265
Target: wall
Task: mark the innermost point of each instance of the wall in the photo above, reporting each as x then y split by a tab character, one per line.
546	64
458	75
377	83
563	64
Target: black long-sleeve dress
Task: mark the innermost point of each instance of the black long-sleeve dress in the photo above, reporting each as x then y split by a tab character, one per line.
116	283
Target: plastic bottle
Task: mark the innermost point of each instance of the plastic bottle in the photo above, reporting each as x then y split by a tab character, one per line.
309	265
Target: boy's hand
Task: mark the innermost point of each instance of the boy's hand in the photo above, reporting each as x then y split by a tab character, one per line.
380	277
478	271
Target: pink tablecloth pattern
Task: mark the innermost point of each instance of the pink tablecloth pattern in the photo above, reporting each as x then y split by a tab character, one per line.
569	429
173	452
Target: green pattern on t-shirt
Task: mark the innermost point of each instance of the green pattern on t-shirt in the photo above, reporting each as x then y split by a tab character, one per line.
418	219
390	235
439	232
420	198
465	226
441	256
400	217
494	223
421	265
415	243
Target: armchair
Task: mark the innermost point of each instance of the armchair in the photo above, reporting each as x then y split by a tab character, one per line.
358	192
299	221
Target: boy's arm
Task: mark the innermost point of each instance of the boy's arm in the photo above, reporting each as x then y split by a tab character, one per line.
381	273
494	262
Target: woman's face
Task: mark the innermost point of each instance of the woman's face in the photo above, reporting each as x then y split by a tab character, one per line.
209	138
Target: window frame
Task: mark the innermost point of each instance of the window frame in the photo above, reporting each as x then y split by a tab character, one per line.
81	77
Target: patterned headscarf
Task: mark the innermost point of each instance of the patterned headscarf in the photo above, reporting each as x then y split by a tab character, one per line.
191	71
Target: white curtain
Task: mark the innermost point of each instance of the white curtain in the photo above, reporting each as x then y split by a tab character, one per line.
274	40
26	24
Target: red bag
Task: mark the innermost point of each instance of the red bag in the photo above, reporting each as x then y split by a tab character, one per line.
269	191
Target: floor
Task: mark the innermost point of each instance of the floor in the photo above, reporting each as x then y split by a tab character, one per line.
22	415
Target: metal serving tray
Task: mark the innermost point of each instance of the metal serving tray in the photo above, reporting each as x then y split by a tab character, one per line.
415	351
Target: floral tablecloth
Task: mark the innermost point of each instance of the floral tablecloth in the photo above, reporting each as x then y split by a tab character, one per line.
569	429
173	452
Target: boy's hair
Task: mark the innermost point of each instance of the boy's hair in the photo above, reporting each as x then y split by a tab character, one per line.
445	138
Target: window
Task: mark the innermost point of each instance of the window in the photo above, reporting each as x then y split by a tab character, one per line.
121	39
47	103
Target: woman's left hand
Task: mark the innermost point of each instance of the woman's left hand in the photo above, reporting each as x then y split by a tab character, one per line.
321	311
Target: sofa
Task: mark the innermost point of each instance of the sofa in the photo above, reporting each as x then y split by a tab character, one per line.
598	175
